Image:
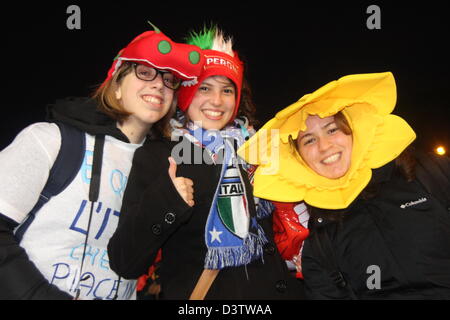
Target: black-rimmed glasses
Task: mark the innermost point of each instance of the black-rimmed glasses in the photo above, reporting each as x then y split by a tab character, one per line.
147	73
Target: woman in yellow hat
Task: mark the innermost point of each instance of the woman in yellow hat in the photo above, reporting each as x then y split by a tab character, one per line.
379	225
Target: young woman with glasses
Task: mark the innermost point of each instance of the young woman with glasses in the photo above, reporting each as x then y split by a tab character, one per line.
62	253
199	209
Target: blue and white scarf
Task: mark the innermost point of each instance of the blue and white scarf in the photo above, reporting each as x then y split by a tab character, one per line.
233	237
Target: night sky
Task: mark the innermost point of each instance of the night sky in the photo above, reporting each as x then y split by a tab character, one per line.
290	50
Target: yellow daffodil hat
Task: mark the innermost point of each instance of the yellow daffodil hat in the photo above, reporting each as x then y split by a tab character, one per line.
367	101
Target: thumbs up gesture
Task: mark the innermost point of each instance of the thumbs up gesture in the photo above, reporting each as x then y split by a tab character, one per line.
184	186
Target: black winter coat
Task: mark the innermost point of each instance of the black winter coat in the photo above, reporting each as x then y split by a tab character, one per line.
154	216
395	245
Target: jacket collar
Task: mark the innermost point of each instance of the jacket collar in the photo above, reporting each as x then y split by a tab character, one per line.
323	217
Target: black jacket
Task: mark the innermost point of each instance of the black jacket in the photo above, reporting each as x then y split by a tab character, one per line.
395	245
154	216
19	277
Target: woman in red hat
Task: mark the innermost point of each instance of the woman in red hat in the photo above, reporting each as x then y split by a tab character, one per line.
59	251
216	242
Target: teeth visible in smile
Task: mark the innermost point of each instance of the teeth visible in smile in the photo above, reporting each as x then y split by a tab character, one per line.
332	158
152	99
213	113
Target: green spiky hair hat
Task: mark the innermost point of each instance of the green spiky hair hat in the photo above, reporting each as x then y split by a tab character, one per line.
220	60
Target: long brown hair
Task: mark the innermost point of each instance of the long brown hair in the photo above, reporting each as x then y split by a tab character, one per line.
247	107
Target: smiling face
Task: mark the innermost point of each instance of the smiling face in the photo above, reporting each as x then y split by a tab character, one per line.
146	101
324	147
213	104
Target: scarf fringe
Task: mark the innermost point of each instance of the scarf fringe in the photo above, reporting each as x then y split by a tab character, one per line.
252	249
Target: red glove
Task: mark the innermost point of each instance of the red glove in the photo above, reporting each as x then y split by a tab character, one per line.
289	233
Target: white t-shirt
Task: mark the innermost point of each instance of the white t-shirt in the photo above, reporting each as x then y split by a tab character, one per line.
55	239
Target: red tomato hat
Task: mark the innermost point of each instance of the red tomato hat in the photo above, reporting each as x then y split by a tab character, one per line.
156	50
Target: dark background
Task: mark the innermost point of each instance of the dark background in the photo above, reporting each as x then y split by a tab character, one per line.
291	49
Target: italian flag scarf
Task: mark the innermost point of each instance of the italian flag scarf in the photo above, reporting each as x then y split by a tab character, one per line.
233	235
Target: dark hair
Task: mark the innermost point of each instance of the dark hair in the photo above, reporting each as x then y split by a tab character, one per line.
247	107
342	123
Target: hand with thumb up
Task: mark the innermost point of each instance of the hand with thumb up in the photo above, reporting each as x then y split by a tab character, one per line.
184	186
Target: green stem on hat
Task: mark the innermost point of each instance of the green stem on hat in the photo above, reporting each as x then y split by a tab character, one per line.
154	27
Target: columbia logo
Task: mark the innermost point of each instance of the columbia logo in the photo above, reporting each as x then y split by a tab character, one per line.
413	203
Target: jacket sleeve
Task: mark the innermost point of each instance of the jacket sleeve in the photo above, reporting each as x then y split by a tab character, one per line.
318	283
19	277
152	210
